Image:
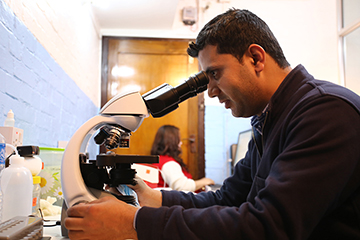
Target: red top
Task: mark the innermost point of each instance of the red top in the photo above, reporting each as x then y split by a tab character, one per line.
162	160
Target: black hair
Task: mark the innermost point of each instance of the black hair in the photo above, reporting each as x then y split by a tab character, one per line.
233	32
166	142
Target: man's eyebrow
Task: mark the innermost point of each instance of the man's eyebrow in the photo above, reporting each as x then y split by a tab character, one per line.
209	69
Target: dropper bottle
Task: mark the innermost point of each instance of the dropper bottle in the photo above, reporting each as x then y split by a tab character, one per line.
9	121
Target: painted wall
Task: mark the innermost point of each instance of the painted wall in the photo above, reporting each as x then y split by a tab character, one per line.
70	34
48	104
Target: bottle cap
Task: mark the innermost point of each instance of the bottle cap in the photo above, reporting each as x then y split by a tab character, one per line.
16	159
36	179
10	114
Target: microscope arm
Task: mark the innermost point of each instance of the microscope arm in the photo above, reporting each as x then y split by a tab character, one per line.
73	186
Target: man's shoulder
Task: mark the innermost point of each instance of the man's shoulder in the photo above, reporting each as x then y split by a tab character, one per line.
326	88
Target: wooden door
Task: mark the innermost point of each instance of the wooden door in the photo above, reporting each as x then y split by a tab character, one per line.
142	65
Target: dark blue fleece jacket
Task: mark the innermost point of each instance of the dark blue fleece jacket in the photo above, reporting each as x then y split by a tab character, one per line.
306	184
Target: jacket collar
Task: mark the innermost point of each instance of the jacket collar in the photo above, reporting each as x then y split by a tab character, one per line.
291	84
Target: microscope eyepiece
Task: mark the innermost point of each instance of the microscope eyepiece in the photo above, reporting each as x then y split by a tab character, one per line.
165	98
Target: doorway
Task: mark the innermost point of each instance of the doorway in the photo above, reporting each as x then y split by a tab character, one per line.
140	64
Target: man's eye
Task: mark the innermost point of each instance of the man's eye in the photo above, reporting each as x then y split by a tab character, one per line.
213	73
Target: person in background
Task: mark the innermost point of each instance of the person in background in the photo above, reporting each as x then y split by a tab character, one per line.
167	144
300	178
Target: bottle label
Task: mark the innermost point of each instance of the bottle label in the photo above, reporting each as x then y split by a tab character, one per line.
2	155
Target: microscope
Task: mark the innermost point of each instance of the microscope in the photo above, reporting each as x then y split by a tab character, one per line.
83	180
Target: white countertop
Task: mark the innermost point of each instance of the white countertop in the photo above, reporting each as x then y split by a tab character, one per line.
54	231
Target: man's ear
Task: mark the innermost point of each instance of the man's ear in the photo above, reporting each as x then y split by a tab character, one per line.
258	54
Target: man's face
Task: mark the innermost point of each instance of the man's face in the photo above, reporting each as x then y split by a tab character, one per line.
234	83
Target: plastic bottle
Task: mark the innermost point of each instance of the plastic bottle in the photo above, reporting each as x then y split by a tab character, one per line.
2	166
34	164
17	187
36	196
9	121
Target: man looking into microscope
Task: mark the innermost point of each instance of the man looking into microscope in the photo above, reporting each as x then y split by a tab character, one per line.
300	178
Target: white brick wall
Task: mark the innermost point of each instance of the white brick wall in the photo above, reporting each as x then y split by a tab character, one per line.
68	31
48	104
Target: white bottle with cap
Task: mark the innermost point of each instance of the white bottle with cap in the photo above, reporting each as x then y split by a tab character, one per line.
17	186
9	121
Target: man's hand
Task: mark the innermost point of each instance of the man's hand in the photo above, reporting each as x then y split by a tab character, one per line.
147	196
105	218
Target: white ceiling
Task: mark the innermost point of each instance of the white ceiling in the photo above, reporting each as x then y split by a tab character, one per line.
135	14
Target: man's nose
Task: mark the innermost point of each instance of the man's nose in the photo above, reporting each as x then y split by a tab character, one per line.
213	91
